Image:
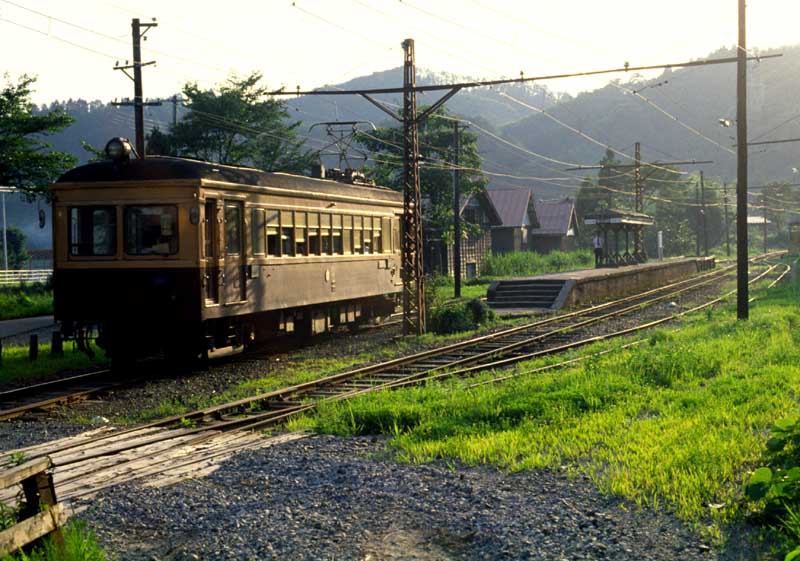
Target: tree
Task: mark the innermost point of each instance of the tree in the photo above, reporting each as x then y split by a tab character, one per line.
17	248
236	124
27	162
436	170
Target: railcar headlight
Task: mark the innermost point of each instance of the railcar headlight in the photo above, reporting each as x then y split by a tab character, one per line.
119	149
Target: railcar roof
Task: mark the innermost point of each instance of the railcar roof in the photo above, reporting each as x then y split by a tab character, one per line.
163	167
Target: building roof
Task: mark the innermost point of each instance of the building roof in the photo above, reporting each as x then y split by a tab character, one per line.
480	198
555	218
512	206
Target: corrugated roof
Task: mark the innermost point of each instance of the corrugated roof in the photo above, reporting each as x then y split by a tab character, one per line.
511	205
555	218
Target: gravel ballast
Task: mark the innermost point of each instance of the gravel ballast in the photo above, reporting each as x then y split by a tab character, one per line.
330	498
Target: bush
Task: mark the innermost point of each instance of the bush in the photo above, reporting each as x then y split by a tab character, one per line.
460	317
776	489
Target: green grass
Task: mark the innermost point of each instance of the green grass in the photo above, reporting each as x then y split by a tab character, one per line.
80	544
526	263
25	301
676	422
15	365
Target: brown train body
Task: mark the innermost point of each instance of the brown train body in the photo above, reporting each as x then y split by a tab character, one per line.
182	255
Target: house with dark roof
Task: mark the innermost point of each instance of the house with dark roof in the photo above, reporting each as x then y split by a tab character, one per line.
558	226
517	213
479	217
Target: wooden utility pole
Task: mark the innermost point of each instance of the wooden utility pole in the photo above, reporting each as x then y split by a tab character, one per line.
727	222
704	214
138	102
638	234
456	214
697	212
413	275
742	289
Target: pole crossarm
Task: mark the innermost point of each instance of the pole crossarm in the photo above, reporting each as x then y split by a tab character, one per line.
430	110
772	141
380	105
643	164
441	87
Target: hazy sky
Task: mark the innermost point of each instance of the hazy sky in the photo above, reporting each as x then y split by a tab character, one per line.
316	42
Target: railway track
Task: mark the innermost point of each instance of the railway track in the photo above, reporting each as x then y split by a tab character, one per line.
515	342
186	443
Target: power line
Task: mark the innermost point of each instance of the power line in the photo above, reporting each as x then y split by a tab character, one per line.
522	80
57	38
582	134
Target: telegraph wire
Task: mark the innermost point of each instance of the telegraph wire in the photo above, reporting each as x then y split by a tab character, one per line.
57	38
674	118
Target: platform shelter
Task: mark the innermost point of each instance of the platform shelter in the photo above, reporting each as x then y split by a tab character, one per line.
616	226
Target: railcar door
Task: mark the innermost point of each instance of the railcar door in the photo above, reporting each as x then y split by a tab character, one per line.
211	276
235	288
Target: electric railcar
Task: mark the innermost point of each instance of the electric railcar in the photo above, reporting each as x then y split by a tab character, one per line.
177	255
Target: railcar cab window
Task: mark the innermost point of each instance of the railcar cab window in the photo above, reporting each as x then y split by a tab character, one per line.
92	231
151	230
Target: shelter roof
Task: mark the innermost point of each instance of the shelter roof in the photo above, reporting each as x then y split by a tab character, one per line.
613	216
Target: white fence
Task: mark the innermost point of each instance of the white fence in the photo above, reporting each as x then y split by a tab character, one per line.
16	277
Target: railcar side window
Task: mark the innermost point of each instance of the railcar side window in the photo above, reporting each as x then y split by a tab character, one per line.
287	233
395	235
325	233
367	234
233	232
358	234
258	226
348	235
151	230
377	242
313	233
301	233
273	236
337	234
386	234
92	231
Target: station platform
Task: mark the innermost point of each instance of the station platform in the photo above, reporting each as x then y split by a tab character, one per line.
584	287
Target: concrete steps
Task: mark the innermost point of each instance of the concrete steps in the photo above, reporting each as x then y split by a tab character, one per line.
546	294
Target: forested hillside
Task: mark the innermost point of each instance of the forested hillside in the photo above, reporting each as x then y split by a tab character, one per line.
674	116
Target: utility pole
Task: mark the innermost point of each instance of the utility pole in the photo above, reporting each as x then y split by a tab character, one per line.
638	233
3	191
138	102
697	207
456	214
704	214
727	222
742	289
413	275
174	110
